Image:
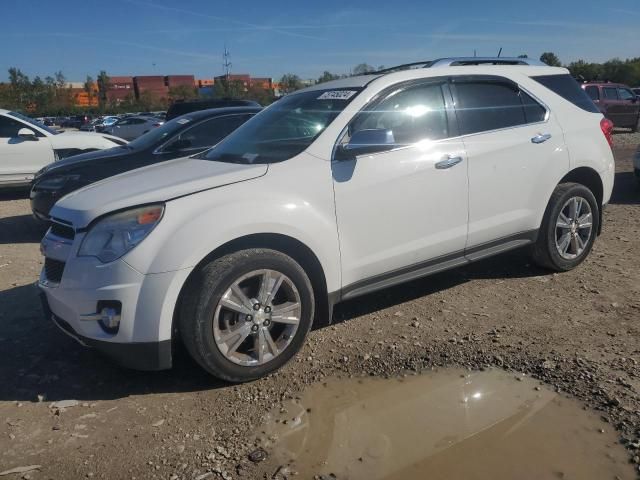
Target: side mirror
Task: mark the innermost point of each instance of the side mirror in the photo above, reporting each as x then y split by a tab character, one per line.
27	134
369	141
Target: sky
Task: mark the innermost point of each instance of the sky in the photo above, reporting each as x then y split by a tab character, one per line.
305	37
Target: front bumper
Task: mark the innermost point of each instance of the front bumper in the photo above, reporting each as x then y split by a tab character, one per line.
139	356
76	287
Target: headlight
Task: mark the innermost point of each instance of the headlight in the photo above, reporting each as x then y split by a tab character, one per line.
55	182
116	234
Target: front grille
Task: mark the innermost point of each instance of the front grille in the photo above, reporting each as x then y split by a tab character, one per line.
53	269
62	231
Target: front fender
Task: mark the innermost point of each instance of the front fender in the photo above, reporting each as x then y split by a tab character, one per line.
195	225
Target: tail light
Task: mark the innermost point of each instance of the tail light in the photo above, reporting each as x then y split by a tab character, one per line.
155	125
607	128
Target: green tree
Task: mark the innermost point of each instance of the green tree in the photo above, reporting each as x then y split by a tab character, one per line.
103	86
89	87
229	89
363	68
550	59
523	55
260	95
290	83
327	76
182	92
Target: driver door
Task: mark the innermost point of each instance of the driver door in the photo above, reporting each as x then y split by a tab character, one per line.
21	158
402	211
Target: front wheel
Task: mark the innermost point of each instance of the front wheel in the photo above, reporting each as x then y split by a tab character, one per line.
568	228
246	314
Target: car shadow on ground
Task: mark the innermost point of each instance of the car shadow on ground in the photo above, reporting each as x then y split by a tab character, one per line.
626	190
14	194
21	229
514	264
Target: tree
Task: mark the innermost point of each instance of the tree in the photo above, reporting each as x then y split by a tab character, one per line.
229	89
103	87
182	92
89	87
261	95
327	76
363	68
550	59
290	83
524	55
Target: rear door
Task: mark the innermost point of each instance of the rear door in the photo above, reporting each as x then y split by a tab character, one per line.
20	159
515	151
630	107
614	109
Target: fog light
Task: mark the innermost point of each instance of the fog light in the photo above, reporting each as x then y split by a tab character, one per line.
110	318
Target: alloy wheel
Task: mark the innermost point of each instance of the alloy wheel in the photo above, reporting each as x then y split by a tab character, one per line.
257	317
574	227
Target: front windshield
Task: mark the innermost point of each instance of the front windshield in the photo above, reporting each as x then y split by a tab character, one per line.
159	134
283	130
31	121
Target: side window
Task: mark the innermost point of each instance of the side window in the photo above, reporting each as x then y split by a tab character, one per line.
533	111
123	122
625	94
210	132
488	105
610	93
9	127
138	121
411	114
593	92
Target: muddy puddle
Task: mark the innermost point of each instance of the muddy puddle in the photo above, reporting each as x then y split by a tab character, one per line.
447	424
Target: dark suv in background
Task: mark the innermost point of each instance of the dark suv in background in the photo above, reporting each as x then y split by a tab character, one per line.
617	102
183	136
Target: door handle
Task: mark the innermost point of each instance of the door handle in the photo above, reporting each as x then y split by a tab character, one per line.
448	162
541	138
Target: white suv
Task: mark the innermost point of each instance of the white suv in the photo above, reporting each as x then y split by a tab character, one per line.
334	191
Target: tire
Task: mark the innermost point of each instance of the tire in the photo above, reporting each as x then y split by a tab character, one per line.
215	326
546	251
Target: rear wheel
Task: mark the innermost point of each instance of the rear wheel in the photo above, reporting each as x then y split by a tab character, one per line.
568	228
246	314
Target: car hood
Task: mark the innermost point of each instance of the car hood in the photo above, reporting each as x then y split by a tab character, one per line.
75	160
84	140
155	183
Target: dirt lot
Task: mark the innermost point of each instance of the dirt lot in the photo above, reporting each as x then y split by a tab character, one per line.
578	331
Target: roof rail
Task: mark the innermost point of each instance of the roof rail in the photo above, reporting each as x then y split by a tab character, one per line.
461	61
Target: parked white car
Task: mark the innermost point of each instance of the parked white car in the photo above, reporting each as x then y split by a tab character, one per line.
332	192
26	146
131	128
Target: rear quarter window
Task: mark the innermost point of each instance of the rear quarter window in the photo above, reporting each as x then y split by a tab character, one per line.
565	86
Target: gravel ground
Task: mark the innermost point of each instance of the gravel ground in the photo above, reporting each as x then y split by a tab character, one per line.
622	139
577	331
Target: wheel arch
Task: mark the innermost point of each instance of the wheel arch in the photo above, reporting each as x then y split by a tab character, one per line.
591	179
290	246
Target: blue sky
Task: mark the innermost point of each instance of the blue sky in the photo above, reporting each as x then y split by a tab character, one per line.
269	38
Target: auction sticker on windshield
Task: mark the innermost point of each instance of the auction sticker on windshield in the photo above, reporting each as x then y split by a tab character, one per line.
337	95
